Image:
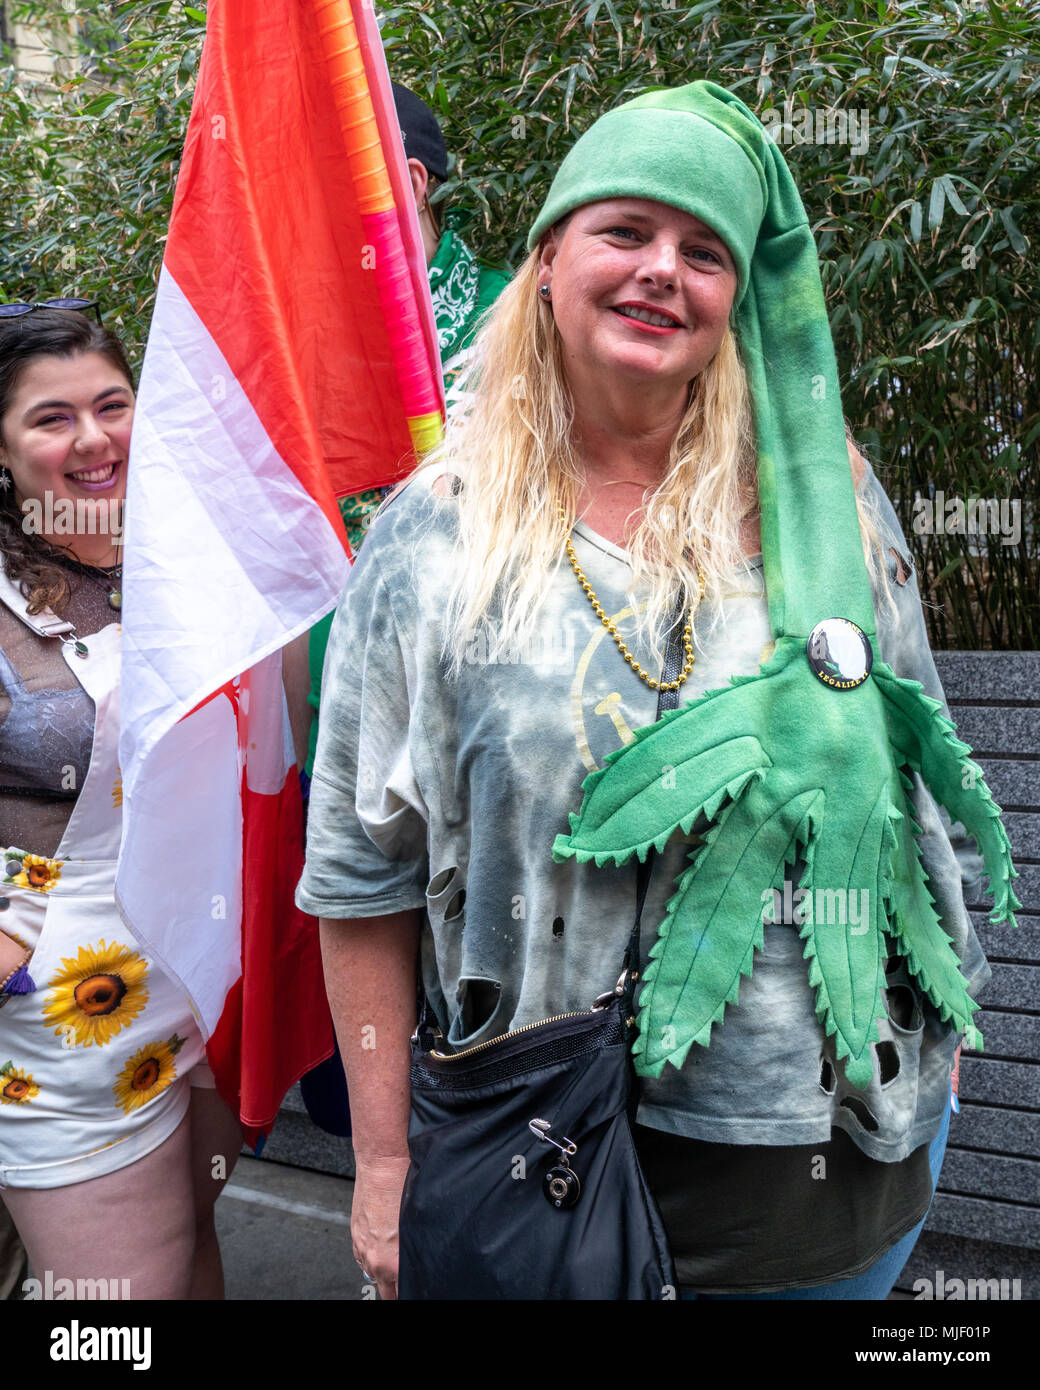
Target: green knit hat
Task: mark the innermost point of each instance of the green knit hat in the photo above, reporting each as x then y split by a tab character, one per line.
699	148
694	148
808	759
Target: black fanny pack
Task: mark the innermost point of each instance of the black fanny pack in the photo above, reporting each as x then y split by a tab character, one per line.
524	1181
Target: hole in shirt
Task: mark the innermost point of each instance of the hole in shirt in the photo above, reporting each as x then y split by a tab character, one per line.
888	1062
904	567
557	927
446	485
902	1007
478	1000
891	965
454	908
826	1076
440	881
861	1112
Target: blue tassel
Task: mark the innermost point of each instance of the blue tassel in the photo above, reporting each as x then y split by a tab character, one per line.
21	982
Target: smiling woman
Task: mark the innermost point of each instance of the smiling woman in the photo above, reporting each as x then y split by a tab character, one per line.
67	458
68	406
100	1049
641	295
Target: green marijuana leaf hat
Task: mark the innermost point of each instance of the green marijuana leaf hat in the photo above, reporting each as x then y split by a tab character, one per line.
701	149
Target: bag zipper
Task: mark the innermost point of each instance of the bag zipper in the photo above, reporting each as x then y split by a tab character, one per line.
598	1006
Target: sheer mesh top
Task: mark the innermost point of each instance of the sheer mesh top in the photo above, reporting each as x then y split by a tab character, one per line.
46	722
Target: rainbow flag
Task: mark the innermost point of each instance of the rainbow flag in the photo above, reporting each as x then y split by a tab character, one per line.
292	359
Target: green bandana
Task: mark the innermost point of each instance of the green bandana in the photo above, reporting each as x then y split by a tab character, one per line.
808	759
454	286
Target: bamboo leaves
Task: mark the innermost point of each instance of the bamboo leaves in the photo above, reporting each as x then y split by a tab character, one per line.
936	212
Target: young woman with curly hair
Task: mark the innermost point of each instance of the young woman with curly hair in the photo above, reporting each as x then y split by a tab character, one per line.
109	1123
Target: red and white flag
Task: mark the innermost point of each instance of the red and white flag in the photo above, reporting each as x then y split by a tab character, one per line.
291	360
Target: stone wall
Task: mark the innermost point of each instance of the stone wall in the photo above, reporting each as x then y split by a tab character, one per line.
985	1220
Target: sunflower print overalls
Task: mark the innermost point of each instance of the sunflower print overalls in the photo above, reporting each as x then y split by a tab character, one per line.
95	1062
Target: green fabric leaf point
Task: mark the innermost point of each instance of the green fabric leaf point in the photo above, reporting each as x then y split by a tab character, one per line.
973	1039
919	937
923	735
684	997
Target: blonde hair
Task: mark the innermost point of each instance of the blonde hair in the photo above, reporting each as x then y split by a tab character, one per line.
512	448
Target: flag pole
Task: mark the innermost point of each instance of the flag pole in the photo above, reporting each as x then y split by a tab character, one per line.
420	390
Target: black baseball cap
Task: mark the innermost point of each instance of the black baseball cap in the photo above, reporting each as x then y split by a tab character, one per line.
422	135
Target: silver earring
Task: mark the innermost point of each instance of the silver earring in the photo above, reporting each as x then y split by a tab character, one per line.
544	291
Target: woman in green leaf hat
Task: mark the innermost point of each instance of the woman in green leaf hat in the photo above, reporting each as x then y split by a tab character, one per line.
656	421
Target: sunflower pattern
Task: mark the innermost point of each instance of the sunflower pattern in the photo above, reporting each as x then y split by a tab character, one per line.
31	870
147	1074
16	1086
77	1084
96	995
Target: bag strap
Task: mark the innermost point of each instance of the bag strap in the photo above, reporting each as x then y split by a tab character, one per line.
674	657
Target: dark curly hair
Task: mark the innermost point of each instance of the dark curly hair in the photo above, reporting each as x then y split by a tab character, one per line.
29	560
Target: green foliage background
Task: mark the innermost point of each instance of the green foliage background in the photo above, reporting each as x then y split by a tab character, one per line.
927	238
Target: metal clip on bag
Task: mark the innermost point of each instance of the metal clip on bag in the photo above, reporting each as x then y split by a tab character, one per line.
524	1181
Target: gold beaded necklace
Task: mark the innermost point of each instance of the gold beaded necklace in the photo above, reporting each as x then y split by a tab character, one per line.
611	626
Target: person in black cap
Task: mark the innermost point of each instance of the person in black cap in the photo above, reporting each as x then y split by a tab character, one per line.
461	287
427	157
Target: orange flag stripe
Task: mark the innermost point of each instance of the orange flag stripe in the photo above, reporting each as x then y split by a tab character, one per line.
354	105
268	243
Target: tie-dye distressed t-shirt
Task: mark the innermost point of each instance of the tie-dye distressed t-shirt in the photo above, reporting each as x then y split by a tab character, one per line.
447	795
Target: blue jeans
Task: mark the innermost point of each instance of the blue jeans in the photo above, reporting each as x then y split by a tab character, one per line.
874	1283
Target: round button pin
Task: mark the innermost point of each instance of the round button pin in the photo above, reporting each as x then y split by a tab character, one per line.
839	653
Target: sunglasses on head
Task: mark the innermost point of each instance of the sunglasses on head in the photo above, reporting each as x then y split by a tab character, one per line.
79	306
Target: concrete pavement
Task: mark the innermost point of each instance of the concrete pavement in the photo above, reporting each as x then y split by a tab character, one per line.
285	1234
